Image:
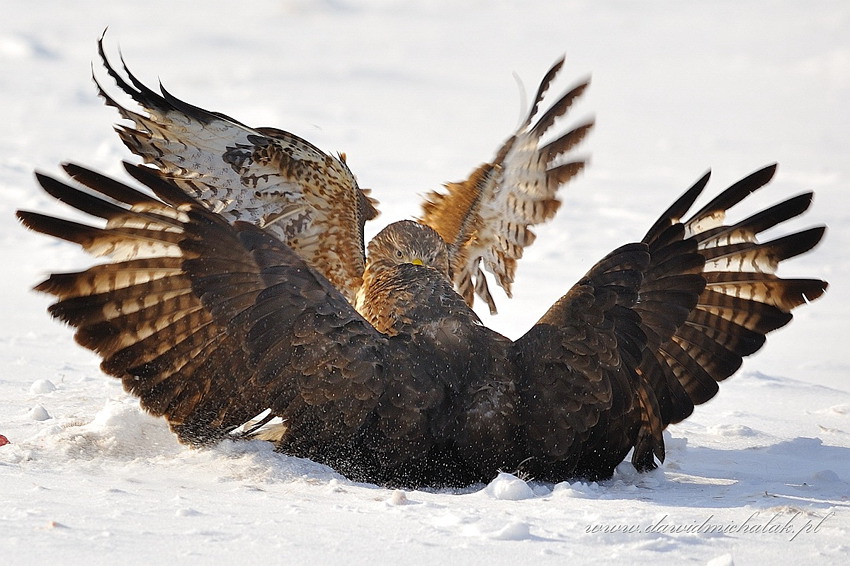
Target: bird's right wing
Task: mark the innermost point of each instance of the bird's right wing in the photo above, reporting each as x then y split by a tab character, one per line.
487	217
268	177
211	324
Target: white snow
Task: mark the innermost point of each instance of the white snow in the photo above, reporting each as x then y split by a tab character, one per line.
42	386
39	413
508	487
418	93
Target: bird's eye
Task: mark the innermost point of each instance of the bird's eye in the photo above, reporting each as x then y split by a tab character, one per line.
398	254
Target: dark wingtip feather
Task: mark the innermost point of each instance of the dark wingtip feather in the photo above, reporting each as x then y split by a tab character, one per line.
801	291
798	243
76	198
136	89
559	108
110	70
678	209
146	95
777	214
152	179
57	227
28	218
200	114
541	90
738	191
566	142
816	290
106	185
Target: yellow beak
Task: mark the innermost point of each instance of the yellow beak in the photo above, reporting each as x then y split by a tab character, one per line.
417	261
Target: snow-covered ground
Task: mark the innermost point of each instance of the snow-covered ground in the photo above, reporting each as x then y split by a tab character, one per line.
417	93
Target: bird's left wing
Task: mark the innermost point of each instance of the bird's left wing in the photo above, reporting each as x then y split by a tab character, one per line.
487	217
649	332
271	178
693	347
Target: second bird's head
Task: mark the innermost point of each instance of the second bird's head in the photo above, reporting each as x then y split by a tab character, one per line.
411	242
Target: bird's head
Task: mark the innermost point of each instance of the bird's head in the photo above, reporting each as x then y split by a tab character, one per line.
407	241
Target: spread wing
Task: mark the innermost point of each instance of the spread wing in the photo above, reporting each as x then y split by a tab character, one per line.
742	301
487	217
650	331
210	324
268	177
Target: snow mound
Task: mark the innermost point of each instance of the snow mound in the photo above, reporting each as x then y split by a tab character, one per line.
39	413
42	386
120	430
723	560
508	487
398	497
579	490
733	430
516	530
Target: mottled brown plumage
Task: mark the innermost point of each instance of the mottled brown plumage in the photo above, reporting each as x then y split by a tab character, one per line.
311	201
282	183
211	323
486	218
387	298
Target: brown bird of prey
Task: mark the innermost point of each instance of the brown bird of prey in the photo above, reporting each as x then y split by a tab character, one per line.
231	281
